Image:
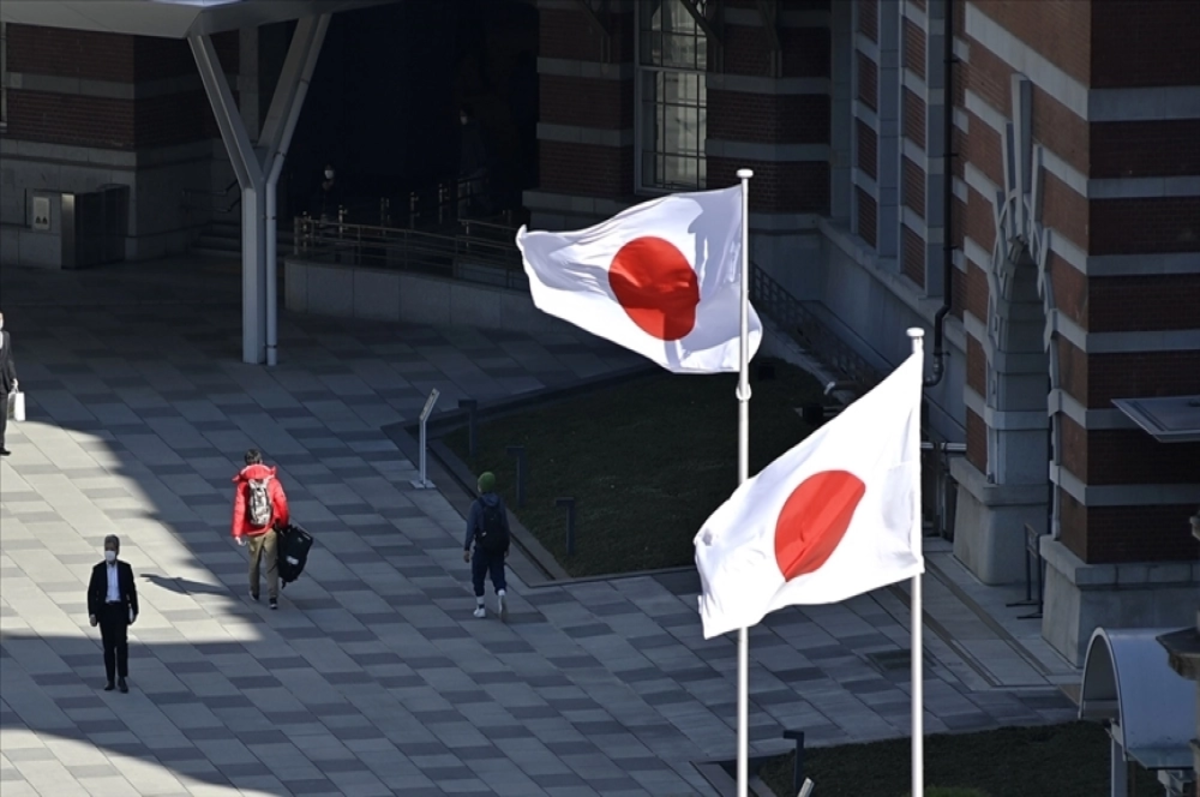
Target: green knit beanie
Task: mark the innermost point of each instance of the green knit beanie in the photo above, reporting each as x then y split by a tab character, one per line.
487	482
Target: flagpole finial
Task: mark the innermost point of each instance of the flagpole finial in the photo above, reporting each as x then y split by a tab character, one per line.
745	174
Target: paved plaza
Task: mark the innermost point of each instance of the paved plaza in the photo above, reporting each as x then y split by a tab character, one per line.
373	678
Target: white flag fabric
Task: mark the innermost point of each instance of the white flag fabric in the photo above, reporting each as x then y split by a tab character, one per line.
837	516
660	279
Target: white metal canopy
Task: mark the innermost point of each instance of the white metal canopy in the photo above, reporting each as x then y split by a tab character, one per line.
171	19
1168	419
1128	682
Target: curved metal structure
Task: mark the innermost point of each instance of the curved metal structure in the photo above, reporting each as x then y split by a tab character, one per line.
1150	709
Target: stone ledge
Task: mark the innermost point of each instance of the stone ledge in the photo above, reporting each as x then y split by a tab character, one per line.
1129	575
1183	650
969	477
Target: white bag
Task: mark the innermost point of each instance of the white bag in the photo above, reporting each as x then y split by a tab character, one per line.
16	405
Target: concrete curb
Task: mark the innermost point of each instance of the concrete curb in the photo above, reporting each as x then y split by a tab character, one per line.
536	566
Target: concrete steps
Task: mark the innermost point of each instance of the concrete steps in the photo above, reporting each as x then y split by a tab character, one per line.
224	239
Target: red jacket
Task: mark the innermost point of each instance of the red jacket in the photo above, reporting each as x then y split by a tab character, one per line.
279	505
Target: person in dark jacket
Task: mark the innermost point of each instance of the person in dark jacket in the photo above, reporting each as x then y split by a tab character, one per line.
113	605
258	523
472	166
8	381
328	198
488	530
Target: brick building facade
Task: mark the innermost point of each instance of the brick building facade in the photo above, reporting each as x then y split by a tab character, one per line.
1073	248
84	109
1076	142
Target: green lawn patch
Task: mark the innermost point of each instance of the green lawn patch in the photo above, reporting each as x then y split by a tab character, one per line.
647	461
1069	760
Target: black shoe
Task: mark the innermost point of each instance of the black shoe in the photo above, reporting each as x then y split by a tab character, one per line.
274	603
124	687
4	452
108	687
254	596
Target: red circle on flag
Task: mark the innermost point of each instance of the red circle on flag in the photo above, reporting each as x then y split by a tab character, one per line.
656	286
814	520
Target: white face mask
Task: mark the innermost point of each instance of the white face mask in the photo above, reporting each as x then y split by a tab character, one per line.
110	556
329	174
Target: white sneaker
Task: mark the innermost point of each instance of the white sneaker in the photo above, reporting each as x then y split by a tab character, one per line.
480	612
502	605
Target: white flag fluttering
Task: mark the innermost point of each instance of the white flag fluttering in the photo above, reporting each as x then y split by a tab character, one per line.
837	516
661	279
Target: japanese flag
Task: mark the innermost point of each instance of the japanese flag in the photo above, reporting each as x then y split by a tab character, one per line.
837	516
660	279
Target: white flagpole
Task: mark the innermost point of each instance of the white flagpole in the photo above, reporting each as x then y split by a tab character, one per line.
917	655
743	396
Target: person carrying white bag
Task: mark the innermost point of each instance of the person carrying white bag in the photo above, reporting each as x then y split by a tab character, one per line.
8	386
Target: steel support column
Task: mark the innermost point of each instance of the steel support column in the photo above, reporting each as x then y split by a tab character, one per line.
258	173
252	181
286	104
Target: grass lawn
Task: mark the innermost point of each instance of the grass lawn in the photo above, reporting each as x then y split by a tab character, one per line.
1068	760
647	462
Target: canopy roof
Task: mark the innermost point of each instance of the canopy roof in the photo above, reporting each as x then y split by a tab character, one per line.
1128	681
1168	419
171	19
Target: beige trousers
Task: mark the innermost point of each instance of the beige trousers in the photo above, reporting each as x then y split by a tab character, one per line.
264	546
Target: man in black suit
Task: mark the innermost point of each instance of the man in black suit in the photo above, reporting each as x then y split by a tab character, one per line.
8	380
113	604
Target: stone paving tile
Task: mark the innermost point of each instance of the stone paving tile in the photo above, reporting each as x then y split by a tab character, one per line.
373	678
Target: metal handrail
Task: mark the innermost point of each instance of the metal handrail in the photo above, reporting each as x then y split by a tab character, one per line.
200	192
810	332
453	256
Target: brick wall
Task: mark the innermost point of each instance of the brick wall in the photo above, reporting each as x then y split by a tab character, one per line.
586	170
587	102
868	81
1156	39
867	220
752	116
1058	30
912	192
71	120
1144	226
783	119
71	53
868	149
601	103
912	115
1145	149
1150	303
778	186
912	256
78	119
1102	535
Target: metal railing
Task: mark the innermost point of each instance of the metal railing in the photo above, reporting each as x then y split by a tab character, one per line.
806	329
471	258
433	207
191	195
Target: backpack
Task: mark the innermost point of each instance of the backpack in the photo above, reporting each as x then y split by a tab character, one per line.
258	508
492	536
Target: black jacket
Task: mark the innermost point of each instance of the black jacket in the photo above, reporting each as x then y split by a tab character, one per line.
8	368
97	593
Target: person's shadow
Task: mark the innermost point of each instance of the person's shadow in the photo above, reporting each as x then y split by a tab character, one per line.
184	586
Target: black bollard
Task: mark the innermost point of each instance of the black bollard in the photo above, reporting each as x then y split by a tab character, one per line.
798	769
471	405
519	453
569	503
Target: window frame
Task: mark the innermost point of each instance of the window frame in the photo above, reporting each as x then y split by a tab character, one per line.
640	72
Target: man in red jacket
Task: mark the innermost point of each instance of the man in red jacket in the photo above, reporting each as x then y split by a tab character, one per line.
259	507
